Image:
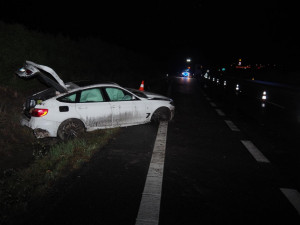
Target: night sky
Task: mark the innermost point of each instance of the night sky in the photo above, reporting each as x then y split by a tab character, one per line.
207	31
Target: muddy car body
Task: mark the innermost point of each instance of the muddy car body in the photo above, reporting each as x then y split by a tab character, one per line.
66	110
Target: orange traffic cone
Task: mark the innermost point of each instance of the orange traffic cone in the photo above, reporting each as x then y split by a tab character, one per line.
142	86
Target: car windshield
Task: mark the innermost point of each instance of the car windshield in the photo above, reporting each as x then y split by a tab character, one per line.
137	93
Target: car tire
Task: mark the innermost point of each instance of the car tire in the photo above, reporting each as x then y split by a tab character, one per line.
161	114
70	129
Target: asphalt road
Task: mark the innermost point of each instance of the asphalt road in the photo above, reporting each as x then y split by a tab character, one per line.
220	167
210	176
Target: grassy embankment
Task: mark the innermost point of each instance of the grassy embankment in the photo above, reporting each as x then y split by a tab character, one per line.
28	167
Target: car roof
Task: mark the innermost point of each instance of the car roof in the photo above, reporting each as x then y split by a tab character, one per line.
81	85
85	83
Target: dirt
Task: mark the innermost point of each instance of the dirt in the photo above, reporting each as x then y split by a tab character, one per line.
17	143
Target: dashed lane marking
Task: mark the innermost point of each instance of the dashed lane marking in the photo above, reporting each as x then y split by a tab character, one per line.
259	157
148	213
213	104
231	125
220	112
293	196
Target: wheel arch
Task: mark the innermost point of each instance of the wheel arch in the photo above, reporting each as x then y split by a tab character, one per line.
161	113
69	120
72	119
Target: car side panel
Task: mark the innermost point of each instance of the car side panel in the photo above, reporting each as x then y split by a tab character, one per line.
128	112
140	112
54	117
153	105
95	114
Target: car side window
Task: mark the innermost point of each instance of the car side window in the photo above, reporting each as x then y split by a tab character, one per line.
69	98
91	95
116	94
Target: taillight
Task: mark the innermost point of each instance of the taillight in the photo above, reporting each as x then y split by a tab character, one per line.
28	72
38	112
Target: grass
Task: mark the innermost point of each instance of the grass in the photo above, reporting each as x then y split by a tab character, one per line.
31	167
18	188
28	167
13	137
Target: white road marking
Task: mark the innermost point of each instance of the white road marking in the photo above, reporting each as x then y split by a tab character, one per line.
150	204
259	157
293	196
231	125
220	112
213	104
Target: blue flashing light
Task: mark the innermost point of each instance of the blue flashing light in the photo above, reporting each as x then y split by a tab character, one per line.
185	74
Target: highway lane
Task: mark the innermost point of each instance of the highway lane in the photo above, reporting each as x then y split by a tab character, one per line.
275	127
211	175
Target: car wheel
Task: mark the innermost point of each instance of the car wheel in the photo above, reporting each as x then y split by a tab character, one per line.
161	114
70	129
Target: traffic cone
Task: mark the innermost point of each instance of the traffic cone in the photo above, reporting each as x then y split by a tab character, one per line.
142	86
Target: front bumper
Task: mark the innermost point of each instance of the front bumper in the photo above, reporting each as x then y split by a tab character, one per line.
172	114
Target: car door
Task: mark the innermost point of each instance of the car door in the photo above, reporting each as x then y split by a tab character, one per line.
94	111
126	108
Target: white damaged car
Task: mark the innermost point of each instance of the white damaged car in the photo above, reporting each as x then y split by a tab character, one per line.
66	110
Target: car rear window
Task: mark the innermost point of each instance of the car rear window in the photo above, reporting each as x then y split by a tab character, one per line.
68	98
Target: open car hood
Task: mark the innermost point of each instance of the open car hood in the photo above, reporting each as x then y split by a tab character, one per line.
155	96
148	95
44	73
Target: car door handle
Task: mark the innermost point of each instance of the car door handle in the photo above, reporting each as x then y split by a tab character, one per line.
82	107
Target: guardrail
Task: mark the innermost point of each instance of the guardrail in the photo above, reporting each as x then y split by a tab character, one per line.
279	95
